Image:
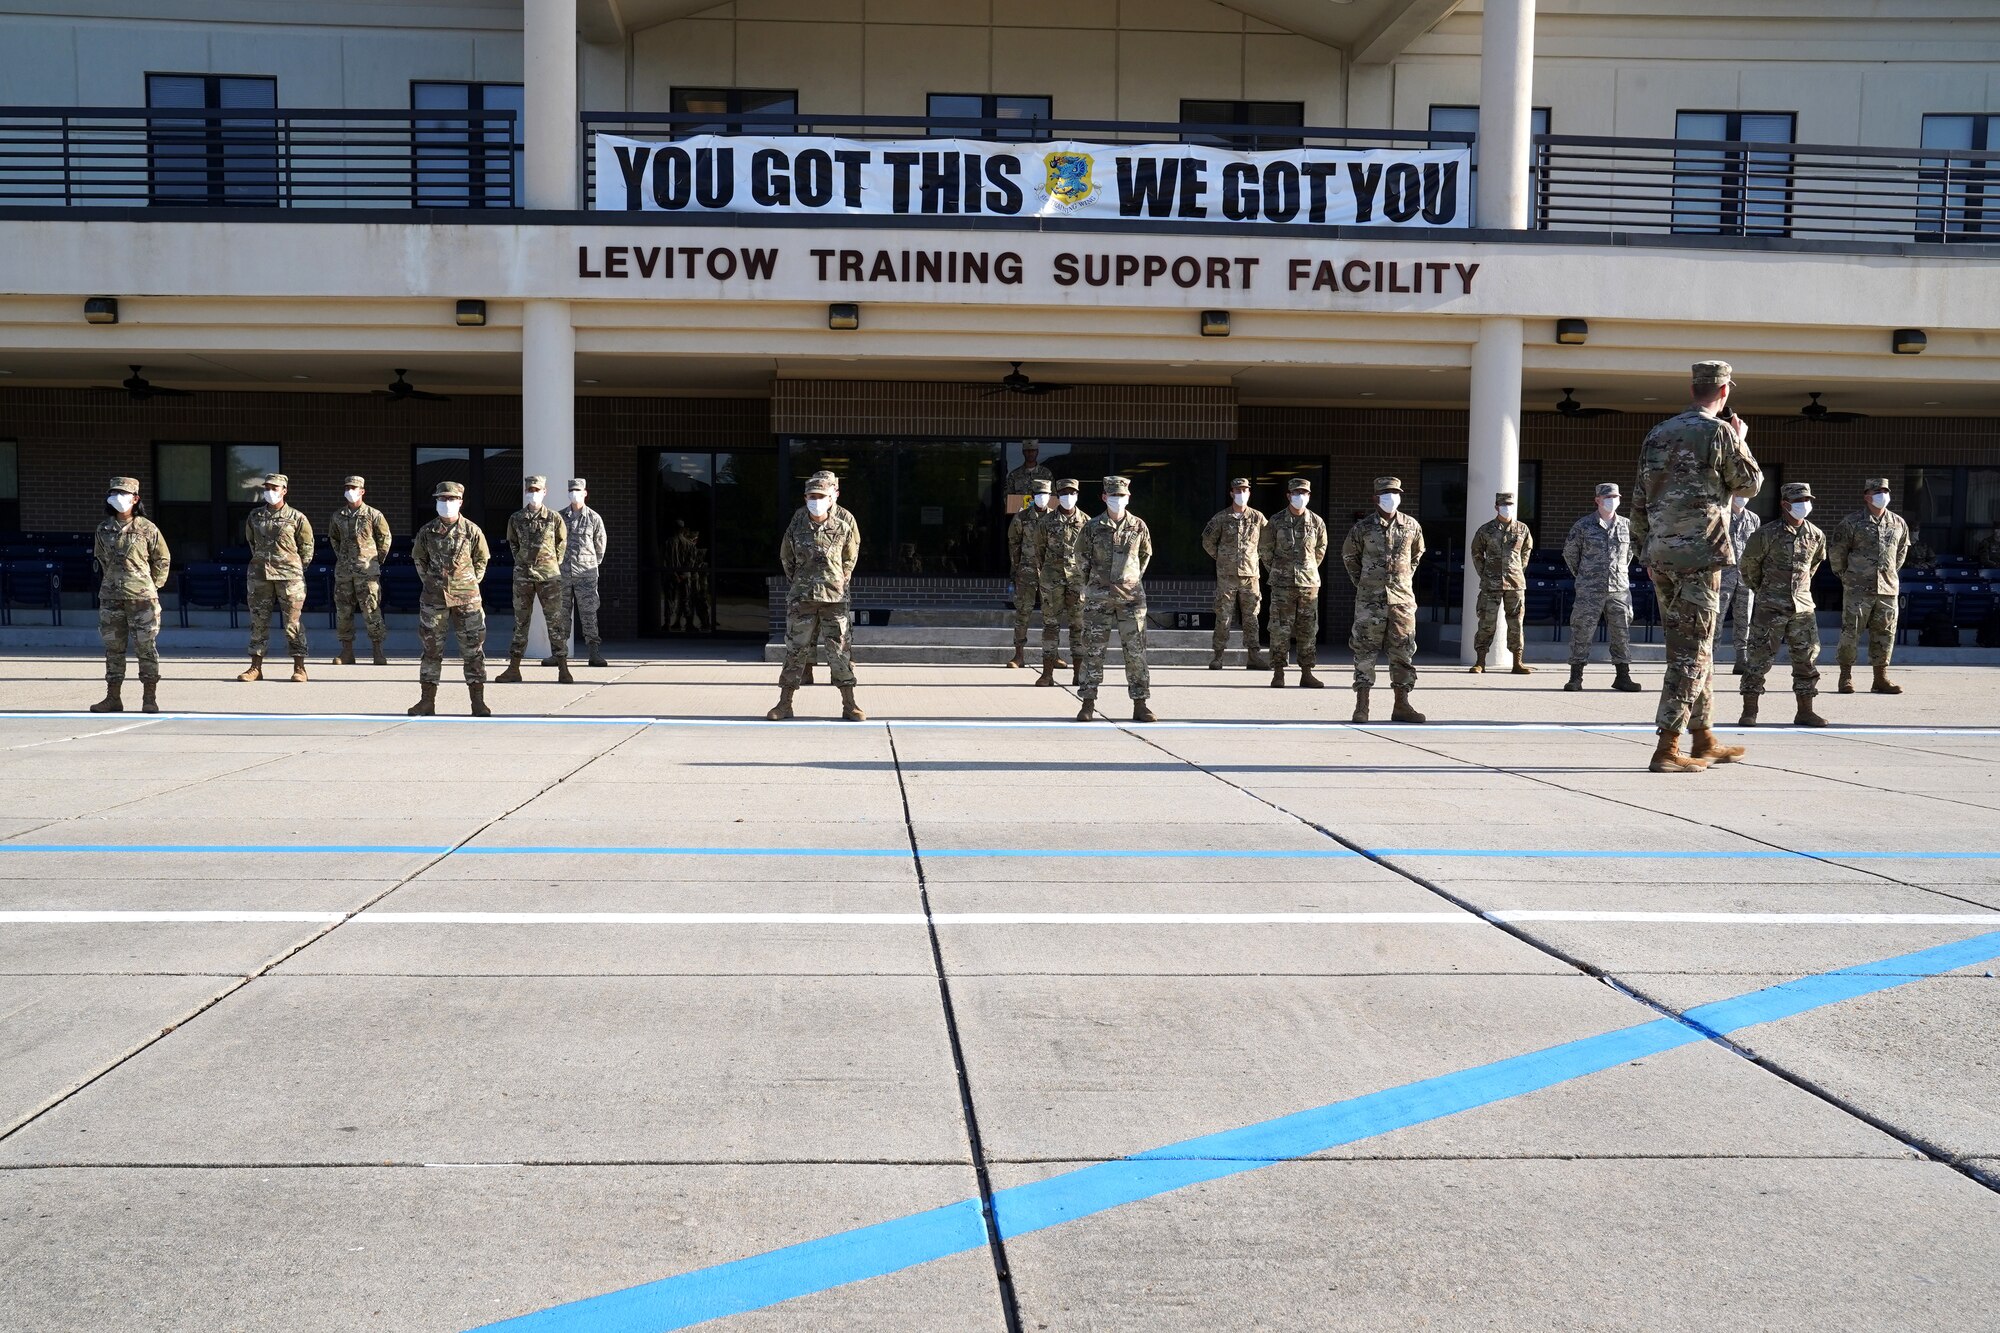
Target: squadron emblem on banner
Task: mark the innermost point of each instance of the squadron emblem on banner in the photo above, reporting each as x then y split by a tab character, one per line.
1066	179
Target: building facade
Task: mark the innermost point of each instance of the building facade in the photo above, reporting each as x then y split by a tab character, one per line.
293	216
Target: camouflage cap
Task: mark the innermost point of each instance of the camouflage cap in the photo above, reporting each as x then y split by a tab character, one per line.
1796	490
1708	374
1299	486
1117	485
1504	498
1239	483
356	481
578	484
1607	488
1067	486
822	481
129	485
1388	484
448	490
1875	484
1042	486
536	482
278	479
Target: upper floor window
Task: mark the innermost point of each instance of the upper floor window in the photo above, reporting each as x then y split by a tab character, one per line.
1734	191
723	103
462	163
1255	117
204	160
992	106
1960	195
1465	120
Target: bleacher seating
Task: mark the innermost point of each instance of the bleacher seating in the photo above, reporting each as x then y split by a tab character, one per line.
1921	601
400	587
212	587
31	583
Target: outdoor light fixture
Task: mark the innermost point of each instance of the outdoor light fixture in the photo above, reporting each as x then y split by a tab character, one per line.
100	310
1907	342
1572	332
472	314
843	315
1215	323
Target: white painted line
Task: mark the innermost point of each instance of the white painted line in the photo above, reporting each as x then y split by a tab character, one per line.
1450	918
1763	918
108	731
55	918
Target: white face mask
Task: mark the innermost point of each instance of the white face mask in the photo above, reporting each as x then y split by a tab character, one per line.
1390	501
1297	502
1880	499
1609	504
1041	500
272	497
1068	502
1239	497
534	499
122	502
576	498
1506	511
448	508
1800	508
1114	505
1737	502
818	505
353	496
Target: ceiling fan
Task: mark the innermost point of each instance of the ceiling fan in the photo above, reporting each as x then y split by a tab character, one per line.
401	390
1571	410
138	388
1015	382
1817	413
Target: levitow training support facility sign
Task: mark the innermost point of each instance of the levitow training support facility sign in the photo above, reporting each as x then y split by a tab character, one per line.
801	175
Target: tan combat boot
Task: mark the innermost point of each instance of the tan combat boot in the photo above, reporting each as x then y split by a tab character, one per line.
1749	718
152	700
807	678
477	689
1360	703
1806	717
850	711
1522	668
1308	681
1048	676
298	670
1883	685
113	700
1478	667
1141	713
1846	680
1089	709
381	658
1402	712
426	704
782	710
1703	745
345	657
1667	757
1278	676
256	671
1020	657
512	675
1256	661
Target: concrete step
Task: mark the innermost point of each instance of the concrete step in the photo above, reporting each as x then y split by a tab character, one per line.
907	654
1001	637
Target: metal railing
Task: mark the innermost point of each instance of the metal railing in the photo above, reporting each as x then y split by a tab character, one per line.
257	158
667	126
1728	187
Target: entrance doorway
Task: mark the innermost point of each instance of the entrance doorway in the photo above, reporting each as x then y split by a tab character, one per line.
708	538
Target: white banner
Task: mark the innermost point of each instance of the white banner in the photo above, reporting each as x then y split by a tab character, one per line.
805	175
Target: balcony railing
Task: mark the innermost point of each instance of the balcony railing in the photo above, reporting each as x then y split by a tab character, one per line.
1751	189
277	158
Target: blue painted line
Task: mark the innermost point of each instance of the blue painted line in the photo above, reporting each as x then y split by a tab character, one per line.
780	1275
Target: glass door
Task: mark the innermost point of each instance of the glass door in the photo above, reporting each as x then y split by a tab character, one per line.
708	523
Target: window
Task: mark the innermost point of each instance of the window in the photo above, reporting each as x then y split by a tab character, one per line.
464	164
1733	191
1465	119
202	493
10	486
1253	115
1956	190
204	160
723	103
1441	503
492	481
991	106
1954	509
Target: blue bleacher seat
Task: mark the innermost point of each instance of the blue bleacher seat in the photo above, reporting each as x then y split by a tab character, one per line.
31	583
233	555
400	587
1972	604
1921	601
211	586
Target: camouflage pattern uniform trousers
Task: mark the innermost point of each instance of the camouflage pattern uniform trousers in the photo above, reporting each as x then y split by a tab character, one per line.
281	546
1111	559
360	541
582	556
1778	563
1868	554
819	559
538	537
1500	551
1293	547
132	557
1600	559
1738	598
1232	540
1689	466
451	559
1062	602
1022	534
1381	554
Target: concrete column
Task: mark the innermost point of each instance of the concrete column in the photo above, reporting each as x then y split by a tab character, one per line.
548	73
1506	106
548	415
1493	457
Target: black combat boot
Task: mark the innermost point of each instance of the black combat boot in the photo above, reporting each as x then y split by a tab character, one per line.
477	689
562	672
1575	682
426	704
1141	713
1625	684
256	671
850	711
782	710
152	700
113	701
1360	703
512	675
1215	660
597	656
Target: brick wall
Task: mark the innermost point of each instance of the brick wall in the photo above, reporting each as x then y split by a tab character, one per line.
1086	412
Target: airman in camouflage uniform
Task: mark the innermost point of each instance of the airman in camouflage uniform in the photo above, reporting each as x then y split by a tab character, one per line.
1062	599
1381	554
1989	551
1022	546
1293	546
1689	466
1020	483
819	550
1500	551
1111	559
281	546
1867	550
1598	552
1735	597
132	557
539	538
582	557
451	556
1232	539
1778	564
360	543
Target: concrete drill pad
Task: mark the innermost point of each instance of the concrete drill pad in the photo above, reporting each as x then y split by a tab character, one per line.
1065	886
515	1068
150	948
446	1249
1669	1245
708	800
1080	1067
1334	949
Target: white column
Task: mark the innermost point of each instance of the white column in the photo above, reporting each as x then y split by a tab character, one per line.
1493	457
548	71
548	415
1506	105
